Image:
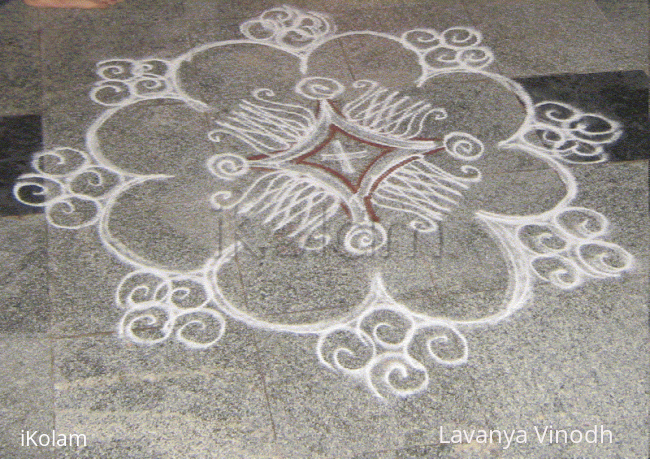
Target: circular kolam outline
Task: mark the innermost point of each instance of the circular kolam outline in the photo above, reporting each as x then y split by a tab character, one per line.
375	352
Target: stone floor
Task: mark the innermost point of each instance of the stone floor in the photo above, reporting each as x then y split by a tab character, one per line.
329	229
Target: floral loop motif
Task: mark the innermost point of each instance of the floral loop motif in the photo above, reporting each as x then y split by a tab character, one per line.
68	185
258	124
570	134
160	305
288	27
390	348
363	154
456	48
388	112
127	80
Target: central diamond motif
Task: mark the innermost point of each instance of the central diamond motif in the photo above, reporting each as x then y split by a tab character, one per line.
374	154
367	155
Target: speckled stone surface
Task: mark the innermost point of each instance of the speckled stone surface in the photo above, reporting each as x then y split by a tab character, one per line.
20	138
27	395
105	329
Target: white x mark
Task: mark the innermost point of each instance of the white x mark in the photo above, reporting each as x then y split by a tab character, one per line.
344	157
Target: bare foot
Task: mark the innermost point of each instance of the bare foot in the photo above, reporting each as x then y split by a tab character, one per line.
85	4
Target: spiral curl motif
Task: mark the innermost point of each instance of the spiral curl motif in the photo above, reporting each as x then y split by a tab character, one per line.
603	259
73	211
345	349
557	270
228	166
422	38
581	222
438	343
463	146
462	37
542	239
364	238
454	48
68	186
391	349
319	88
36	190
387	328
397	374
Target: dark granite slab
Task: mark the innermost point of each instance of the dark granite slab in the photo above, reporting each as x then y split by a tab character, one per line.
20	137
620	96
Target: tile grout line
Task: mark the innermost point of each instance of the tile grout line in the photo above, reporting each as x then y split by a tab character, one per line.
258	363
495	63
622	43
48	273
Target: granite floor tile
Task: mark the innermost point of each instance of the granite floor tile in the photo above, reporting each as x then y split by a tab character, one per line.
82	276
27	397
376	455
629	19
162	401
24	296
16	16
20	138
539	350
329	416
140	13
83	45
574	37
20	74
230	9
203	31
226	10
132	302
399	18
619	191
66	117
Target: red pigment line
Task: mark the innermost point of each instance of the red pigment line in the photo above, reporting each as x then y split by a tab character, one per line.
346	209
370	209
434	151
367	199
425	139
388	172
263	169
258	157
358	139
319	147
